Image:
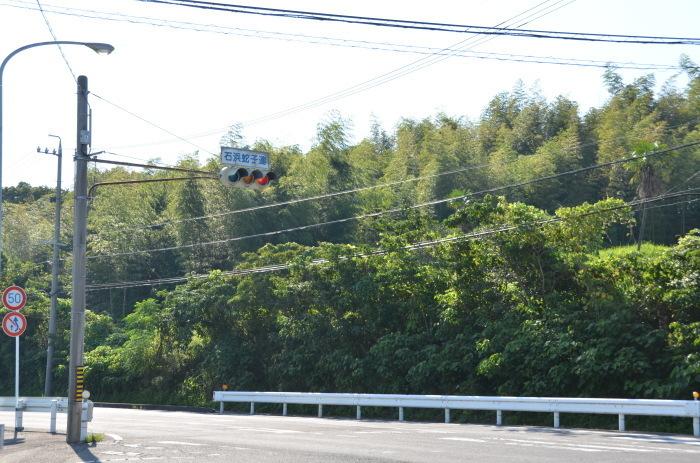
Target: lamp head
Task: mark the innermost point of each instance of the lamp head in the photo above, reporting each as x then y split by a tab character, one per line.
100	48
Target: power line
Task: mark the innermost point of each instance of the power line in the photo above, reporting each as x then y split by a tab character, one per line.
401	71
153	124
152	161
60	48
394	210
364	44
313	198
411	247
684	181
430	26
382	185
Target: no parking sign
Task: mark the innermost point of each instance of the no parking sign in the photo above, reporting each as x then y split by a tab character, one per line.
14	324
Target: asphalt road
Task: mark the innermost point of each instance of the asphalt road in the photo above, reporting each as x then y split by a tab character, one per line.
134	435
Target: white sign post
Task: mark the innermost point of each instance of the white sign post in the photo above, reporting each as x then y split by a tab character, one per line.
14	298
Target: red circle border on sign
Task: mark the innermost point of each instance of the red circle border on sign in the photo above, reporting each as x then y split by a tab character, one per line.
16	314
7	290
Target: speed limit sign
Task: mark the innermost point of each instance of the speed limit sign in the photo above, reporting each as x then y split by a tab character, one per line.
14	298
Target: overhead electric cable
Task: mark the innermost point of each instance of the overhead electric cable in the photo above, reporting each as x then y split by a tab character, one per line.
60	48
411	247
341	42
394	74
684	181
383	185
143	119
430	26
151	160
394	210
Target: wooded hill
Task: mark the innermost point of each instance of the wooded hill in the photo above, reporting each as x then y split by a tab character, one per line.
530	283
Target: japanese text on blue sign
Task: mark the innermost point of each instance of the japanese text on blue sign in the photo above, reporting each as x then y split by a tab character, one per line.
245	158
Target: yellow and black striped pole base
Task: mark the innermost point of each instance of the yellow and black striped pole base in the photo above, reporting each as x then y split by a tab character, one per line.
79	382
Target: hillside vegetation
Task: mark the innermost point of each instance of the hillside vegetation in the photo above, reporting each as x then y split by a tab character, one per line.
532	289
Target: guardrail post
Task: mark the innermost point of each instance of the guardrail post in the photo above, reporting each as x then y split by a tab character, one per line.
621	422
499	418
284	409
556	420
221	408
320	410
400	413
252	408
447	415
19	411
2	436
359	412
696	426
54	409
84	418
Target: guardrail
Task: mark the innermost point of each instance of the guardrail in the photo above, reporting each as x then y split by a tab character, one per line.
53	405
554	405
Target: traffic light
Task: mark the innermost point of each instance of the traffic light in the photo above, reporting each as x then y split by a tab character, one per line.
241	178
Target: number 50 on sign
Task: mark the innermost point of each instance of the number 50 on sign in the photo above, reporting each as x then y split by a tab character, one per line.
14	298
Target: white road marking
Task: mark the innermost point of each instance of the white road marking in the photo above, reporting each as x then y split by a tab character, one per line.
572	446
463	439
661	440
555	447
175	442
434	431
274	431
115	437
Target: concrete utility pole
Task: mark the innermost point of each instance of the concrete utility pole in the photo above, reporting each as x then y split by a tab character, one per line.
77	315
55	267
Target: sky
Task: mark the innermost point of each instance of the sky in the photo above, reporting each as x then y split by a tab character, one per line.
179	76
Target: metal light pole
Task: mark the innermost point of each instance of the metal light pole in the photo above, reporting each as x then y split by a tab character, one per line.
55	267
101	48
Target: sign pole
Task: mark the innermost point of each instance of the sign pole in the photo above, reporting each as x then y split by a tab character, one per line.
18	412
17	372
14	324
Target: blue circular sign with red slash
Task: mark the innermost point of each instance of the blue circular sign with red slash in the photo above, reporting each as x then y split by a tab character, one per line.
14	324
14	298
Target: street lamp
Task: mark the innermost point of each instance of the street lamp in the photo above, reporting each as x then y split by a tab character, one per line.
99	48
